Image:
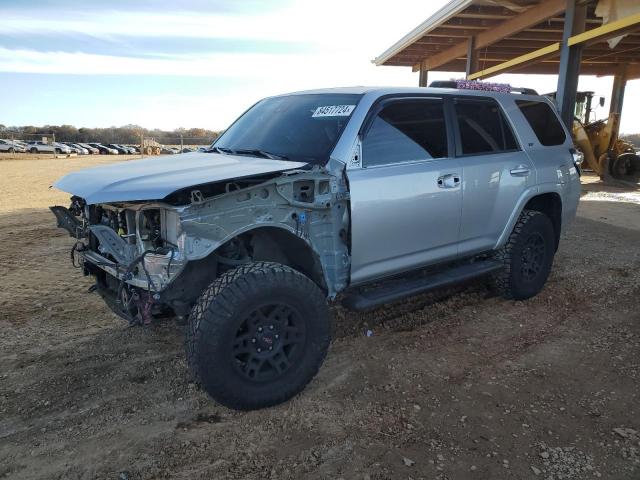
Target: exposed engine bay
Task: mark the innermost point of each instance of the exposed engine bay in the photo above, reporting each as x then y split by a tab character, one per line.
155	258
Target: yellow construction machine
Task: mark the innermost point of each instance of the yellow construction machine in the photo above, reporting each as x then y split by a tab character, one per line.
604	152
150	147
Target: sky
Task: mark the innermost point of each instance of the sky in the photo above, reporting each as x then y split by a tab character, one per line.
201	63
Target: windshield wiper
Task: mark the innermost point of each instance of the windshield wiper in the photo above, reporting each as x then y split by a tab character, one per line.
221	150
260	153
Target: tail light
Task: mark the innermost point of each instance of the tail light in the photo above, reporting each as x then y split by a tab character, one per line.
577	157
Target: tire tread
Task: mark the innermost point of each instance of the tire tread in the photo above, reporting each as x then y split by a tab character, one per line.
216	305
502	281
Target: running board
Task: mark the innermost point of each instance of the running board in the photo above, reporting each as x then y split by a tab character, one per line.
396	290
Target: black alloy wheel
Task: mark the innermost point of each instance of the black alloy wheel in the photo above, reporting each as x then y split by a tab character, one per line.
258	335
268	342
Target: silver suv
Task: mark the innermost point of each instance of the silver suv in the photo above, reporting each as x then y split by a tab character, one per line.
360	195
42	147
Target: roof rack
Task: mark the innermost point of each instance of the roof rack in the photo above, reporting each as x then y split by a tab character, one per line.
485	86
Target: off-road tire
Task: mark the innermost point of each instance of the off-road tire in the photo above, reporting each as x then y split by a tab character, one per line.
511	282
224	307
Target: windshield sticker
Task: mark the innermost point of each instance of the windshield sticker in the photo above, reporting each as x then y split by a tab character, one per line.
334	111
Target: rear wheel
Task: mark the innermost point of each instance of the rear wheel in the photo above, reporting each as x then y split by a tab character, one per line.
258	335
34	150
527	257
11	150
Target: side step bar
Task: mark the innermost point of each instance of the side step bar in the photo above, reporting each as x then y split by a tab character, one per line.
396	290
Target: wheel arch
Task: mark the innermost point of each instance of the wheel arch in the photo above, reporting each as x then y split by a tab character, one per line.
549	203
273	243
545	200
280	245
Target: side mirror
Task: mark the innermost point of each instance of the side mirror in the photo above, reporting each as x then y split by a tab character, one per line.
601	102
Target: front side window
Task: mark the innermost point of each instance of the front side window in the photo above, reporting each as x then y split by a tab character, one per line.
301	127
406	131
483	127
543	121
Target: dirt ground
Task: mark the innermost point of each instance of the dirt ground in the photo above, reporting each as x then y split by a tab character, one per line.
457	386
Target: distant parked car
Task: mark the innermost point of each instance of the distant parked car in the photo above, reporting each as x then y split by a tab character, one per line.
188	150
11	146
168	151
104	150
130	150
41	147
118	148
92	150
72	148
61	147
77	148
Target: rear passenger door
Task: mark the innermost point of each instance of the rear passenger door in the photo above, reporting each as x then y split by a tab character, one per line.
495	171
405	199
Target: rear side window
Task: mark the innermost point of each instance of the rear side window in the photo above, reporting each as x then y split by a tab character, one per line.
405	131
483	127
544	122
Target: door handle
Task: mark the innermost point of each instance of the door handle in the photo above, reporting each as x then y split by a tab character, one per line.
520	171
451	180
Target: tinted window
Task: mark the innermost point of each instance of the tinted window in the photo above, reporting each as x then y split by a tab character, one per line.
543	121
483	127
404	131
299	127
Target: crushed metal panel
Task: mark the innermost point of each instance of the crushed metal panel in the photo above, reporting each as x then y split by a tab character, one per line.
279	203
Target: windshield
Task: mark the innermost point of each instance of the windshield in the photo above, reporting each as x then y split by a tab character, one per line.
302	127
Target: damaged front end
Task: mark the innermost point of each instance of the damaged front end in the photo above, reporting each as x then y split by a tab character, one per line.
133	250
155	258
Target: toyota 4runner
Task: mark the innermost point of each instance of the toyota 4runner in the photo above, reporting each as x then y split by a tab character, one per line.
371	193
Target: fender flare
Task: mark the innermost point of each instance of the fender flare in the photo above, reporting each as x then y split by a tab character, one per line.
525	197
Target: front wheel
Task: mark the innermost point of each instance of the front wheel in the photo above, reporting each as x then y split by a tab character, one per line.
257	335
11	150
527	257
34	150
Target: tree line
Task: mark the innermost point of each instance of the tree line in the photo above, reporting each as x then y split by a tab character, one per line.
128	134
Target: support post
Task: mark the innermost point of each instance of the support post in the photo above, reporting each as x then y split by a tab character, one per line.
617	92
574	23
423	80
472	58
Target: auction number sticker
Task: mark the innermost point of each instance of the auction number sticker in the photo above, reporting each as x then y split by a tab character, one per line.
334	111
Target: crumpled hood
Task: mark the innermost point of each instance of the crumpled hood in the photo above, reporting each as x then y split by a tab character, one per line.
156	177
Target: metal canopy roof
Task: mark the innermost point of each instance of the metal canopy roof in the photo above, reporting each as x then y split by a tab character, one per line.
513	35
